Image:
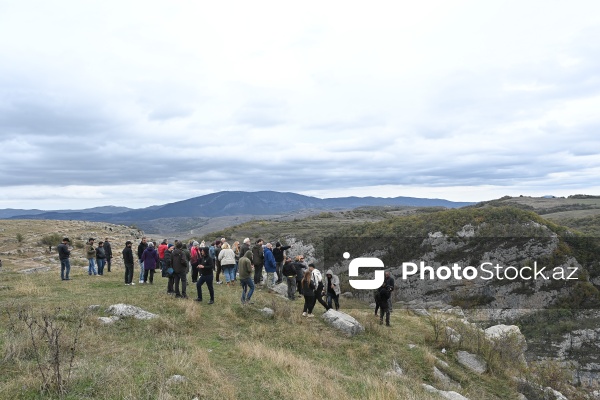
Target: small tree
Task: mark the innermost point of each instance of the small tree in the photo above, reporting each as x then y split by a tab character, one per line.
20	237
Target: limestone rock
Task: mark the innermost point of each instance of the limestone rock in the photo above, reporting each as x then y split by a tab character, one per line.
472	362
347	295
108	320
343	322
450	395
267	312
126	310
176	379
396	370
452	335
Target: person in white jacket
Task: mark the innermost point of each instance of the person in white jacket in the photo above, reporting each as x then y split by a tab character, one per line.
331	287
227	259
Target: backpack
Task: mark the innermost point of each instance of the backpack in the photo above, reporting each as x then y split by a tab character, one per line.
211	252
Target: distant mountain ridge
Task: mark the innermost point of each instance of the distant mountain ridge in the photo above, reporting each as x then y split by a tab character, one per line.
230	203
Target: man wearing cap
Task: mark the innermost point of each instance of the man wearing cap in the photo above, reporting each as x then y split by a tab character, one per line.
63	254
128	261
90	253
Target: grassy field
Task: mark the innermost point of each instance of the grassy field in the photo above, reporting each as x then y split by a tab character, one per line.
224	350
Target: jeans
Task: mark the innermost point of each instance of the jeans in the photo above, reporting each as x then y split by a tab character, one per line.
278	266
235	271
91	267
228	272
100	262
65	268
335	298
247	283
209	284
141	270
291	284
195	273
128	273
270	279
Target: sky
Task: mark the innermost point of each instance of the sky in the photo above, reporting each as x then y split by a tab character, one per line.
139	103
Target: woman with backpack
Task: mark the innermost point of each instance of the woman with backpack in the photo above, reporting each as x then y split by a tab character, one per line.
308	290
227	259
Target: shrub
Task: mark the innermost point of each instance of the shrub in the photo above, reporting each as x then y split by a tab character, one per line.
52	239
20	237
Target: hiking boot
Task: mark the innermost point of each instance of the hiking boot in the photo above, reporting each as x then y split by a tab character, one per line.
211	302
197	299
310	315
304	314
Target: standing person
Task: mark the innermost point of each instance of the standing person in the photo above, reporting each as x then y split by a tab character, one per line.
246	277
195	260
140	250
227	260
317	279
289	271
308	288
205	267
279	254
108	252
128	261
270	265
150	260
236	249
63	255
167	271
300	269
180	263
90	253
244	247
217	261
161	254
258	258
100	257
332	288
389	284
382	301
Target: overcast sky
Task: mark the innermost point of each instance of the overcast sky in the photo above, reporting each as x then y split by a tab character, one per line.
133	103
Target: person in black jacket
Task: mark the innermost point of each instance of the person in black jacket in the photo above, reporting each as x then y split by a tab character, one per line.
381	299
128	261
168	267
108	252
180	265
205	267
300	269
258	260
308	288
100	258
278	253
140	250
63	254
289	271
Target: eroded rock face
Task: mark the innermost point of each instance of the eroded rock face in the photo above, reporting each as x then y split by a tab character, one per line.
343	322
126	310
450	395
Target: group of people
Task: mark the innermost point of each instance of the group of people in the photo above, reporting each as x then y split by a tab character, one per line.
246	262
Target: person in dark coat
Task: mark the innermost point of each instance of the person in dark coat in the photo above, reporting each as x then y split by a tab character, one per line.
289	272
63	255
108	253
279	253
205	268
258	260
168	268
180	264
100	258
308	288
300	269
381	300
150	260
128	261
140	250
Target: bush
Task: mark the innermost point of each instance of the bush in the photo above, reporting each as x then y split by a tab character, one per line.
53	239
20	237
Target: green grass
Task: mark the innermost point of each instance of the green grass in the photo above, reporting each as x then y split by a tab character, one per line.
225	351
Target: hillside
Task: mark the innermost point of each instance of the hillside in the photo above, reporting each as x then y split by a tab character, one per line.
579	212
222	351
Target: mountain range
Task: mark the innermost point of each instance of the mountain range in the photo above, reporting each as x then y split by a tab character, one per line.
228	203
